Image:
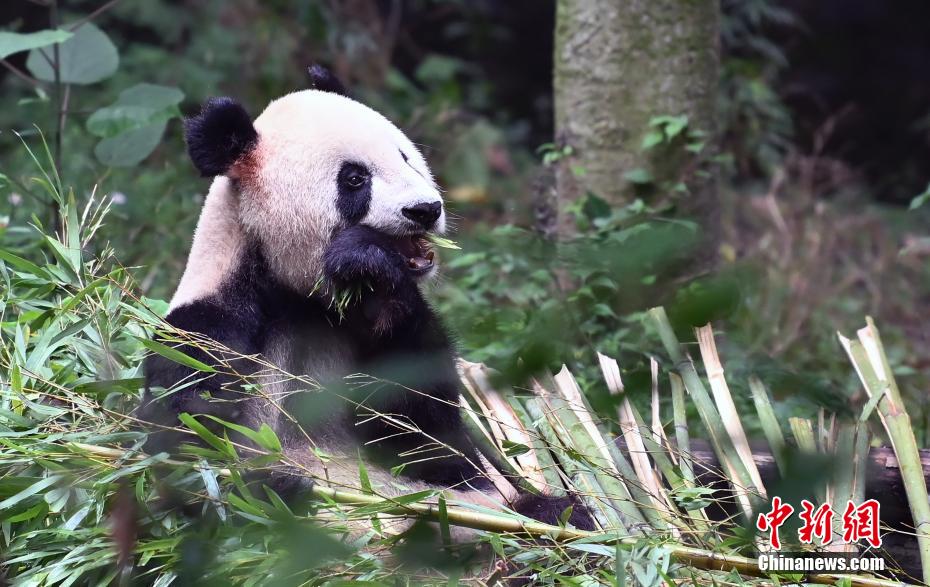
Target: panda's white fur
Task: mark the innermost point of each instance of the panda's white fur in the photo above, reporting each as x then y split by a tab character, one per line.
272	207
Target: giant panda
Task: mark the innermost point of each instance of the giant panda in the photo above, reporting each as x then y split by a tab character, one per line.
318	196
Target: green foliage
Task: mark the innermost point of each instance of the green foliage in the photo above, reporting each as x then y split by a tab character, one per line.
523	304
133	126
756	125
87	57
920	199
12	43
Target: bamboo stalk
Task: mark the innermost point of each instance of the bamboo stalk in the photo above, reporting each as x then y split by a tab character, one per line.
658	431
770	426
582	477
695	557
803	432
724	400
510	425
486	446
590	444
682	440
868	357
744	488
842	487
547	467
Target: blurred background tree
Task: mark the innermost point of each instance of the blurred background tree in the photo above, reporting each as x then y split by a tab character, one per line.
635	87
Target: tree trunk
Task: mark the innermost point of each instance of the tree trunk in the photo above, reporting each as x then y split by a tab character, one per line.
619	64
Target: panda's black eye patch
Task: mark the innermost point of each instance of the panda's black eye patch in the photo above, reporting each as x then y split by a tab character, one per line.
354	187
354	176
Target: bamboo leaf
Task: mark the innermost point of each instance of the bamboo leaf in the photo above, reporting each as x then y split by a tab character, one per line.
210	438
175	355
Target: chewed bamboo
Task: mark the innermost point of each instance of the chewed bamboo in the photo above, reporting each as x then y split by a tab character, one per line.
578	438
547	467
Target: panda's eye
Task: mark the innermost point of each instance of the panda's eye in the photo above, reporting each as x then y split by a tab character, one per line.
354	176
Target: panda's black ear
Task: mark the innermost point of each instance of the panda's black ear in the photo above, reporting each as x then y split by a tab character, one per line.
219	136
324	80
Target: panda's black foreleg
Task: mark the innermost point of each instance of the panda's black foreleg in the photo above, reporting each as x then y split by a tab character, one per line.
225	344
362	263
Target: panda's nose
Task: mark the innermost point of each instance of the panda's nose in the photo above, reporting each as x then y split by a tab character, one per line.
425	214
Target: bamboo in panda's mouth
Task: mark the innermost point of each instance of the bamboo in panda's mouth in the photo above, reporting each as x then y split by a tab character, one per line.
417	251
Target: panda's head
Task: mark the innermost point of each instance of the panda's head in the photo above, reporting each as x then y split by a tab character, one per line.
313	163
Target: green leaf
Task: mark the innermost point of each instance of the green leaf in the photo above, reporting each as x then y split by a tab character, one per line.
129	148
127	386
437	69
210	438
675	125
268	439
137	107
920	199
23	264
11	43
638	176
444	530
389	504
212	487
29	492
175	355
514	449
651	140
159	307
88	57
264	436
34	511
443	243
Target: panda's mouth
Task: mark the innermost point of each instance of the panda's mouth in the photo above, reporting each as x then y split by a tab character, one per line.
417	251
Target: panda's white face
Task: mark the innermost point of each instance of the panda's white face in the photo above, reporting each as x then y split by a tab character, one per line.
324	162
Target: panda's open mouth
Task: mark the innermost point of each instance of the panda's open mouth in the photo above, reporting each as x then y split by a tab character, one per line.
417	251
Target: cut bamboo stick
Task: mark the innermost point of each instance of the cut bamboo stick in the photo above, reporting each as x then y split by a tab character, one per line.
868	357
770	426
724	400
744	489
682	440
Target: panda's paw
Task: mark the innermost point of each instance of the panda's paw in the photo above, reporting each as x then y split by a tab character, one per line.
361	255
551	510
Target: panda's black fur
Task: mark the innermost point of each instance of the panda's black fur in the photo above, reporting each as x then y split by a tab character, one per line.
219	135
390	333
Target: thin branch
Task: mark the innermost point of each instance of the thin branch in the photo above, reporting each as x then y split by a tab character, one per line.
82	21
20	74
